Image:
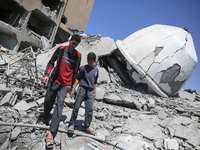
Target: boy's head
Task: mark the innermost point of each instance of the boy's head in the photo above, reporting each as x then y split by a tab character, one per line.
74	41
76	37
91	56
91	59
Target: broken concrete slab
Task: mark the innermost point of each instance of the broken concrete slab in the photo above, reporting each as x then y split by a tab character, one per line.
157	55
6	99
15	133
102	46
171	144
133	142
72	144
100	92
103	76
185	94
5	145
23	105
91	146
143	125
113	98
191	133
185	129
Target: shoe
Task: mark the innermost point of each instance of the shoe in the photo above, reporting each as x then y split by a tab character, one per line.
71	129
49	140
89	131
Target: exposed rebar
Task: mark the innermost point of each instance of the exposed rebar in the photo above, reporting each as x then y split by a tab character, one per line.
117	145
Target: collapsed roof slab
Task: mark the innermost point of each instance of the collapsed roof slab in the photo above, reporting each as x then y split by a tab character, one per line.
25	44
53	5
41	24
11	13
46	8
162	56
61	36
7	38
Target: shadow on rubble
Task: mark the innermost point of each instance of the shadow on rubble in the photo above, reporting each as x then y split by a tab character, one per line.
63	118
79	126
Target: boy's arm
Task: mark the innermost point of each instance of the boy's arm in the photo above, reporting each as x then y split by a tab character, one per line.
75	84
96	83
51	62
50	66
94	91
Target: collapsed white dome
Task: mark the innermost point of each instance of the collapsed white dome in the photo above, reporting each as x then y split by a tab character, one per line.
161	56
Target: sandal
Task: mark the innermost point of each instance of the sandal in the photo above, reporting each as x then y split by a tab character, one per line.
71	129
40	123
49	140
89	131
43	122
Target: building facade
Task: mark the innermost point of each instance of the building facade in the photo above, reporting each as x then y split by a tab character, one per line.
26	23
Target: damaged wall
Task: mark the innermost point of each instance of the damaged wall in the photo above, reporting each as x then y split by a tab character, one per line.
31	22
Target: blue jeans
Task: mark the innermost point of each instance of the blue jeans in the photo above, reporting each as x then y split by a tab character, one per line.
87	95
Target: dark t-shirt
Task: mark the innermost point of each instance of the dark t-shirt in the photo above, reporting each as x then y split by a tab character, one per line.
87	76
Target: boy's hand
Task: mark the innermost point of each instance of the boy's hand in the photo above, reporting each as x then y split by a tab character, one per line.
45	80
72	94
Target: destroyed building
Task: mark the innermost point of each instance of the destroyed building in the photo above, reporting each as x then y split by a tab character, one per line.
161	56
41	23
124	118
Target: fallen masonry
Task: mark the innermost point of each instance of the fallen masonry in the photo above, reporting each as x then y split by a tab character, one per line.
125	116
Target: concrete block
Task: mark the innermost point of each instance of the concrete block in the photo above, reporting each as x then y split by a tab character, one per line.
100	92
92	146
171	144
6	99
187	95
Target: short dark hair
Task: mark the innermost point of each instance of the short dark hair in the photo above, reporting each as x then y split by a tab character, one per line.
91	55
76	37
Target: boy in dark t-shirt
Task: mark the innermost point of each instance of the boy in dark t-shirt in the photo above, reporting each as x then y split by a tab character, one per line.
87	79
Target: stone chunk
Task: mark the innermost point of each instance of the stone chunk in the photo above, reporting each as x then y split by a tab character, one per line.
92	146
113	98
6	99
187	95
171	144
103	76
197	98
100	45
23	105
162	115
5	144
100	92
15	132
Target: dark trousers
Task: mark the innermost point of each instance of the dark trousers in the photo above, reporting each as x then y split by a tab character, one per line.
54	90
86	95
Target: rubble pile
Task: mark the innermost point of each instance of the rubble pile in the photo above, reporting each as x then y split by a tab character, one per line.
125	116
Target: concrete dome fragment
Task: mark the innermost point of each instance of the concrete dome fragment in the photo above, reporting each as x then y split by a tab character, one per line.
161	56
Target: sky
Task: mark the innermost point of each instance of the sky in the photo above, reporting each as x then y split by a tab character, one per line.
118	19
